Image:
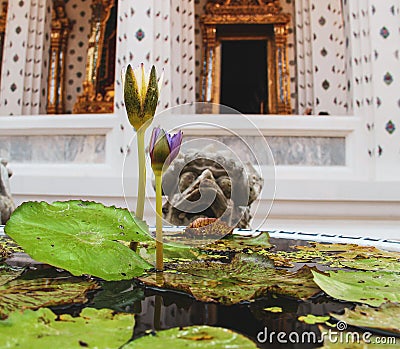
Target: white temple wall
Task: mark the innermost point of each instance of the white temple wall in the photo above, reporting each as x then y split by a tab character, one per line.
333	172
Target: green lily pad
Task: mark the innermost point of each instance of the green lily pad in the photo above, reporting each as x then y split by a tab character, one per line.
81	237
386	317
247	277
337	255
313	319
173	253
237	243
40	329
373	264
194	337
33	294
372	288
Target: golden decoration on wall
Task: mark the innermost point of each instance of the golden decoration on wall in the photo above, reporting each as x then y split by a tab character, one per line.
256	31
60	29
3	22
98	86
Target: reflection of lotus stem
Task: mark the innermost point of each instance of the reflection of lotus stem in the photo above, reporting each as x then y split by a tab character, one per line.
157	312
159	238
142	173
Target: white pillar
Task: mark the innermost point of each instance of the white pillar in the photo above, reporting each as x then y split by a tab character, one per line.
26	51
162	50
384	20
183	52
134	41
328	51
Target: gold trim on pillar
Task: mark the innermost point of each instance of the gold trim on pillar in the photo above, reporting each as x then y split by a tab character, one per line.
215	23
60	29
3	23
96	98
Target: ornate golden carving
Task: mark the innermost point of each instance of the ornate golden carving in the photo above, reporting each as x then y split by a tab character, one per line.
3	22
60	28
222	13
97	98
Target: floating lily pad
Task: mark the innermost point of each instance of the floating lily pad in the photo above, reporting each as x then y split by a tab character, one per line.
372	288
32	294
194	337
80	237
386	317
40	329
237	243
8	247
337	255
313	319
172	252
247	277
373	264
8	273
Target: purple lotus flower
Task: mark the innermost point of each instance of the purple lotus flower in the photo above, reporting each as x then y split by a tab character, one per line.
164	148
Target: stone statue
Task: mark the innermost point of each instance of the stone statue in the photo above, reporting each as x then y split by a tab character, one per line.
210	185
6	203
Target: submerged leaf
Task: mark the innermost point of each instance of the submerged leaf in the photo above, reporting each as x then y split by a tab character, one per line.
367	287
386	317
194	337
33	294
247	277
80	237
117	295
40	329
313	319
274	309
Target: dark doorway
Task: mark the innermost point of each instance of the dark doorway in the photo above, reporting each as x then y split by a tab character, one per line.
244	75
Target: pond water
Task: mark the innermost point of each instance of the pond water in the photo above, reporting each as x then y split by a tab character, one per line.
157	309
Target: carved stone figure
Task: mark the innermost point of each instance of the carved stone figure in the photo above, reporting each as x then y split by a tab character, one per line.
6	202
210	185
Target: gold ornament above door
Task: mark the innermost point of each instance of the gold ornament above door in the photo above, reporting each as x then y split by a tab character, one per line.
245	64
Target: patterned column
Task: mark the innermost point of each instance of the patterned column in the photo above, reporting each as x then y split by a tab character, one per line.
134	42
328	46
384	26
26	58
162	49
360	66
183	50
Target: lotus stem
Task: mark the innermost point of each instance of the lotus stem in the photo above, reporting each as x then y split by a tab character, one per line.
159	233
142	173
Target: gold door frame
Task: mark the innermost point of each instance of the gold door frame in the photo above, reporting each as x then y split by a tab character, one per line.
60	29
3	24
247	12
92	100
269	65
